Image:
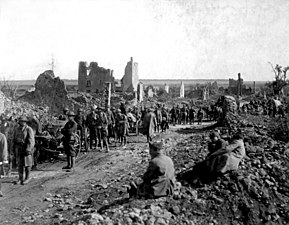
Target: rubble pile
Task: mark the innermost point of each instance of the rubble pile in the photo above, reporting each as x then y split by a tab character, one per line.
257	193
49	91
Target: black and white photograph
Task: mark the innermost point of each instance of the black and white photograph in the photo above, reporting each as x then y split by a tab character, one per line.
144	112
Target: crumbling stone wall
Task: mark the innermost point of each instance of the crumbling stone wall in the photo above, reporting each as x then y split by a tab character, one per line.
130	79
93	78
49	91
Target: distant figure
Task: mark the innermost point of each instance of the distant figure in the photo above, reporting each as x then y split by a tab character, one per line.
159	179
200	116
158	114
91	124
150	122
80	120
121	127
174	115
165	120
192	115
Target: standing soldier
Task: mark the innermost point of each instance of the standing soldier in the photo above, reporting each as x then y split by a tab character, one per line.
174	115
165	120
68	132
101	129
24	145
3	155
110	124
122	127
80	120
91	124
192	115
158	114
200	116
150	122
36	126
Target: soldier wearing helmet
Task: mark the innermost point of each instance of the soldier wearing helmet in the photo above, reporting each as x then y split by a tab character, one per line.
80	120
69	140
64	115
23	141
91	125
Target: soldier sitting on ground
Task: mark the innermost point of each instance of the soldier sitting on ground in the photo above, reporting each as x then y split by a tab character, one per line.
217	163
159	179
215	143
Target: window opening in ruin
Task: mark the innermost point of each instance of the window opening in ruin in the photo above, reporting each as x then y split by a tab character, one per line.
88	83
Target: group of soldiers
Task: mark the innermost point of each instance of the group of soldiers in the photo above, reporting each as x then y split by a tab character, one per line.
270	107
21	142
95	129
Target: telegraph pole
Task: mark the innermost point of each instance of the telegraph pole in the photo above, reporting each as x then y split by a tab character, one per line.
52	64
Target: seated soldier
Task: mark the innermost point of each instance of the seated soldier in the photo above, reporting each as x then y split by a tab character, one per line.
216	142
228	158
159	179
217	163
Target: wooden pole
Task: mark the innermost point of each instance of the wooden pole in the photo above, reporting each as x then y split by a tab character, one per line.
109	94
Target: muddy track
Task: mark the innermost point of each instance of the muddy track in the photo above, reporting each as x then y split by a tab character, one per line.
92	170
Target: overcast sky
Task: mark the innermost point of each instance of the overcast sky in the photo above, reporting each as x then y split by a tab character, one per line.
185	39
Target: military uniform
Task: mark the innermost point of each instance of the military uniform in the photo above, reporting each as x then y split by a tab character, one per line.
110	124
91	124
122	127
101	129
80	120
69	139
159	179
3	155
24	145
150	122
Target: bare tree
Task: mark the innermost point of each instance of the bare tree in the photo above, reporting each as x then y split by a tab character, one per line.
280	78
8	87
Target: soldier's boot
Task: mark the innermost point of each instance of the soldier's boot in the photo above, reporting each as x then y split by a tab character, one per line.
72	162
101	145
106	144
27	175
20	174
68	163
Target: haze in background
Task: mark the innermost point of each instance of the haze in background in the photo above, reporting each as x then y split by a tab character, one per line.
169	39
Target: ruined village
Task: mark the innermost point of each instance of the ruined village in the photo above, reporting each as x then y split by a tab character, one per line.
96	189
133	148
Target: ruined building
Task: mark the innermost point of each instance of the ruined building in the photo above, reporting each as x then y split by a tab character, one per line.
237	87
182	90
130	79
94	79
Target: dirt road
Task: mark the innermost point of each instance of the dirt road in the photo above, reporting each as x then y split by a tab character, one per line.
53	190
